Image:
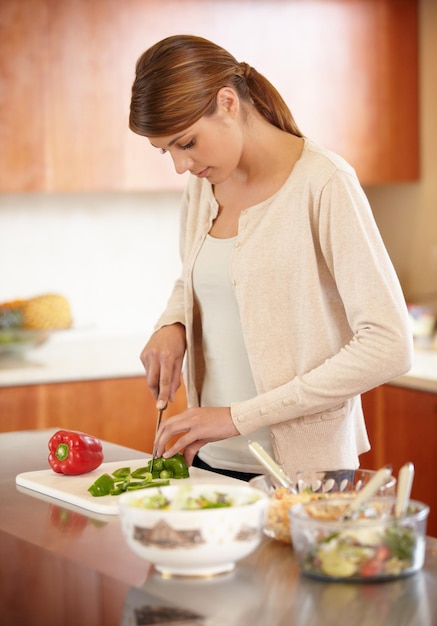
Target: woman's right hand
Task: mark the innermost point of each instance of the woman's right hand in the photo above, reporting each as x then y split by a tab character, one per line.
162	358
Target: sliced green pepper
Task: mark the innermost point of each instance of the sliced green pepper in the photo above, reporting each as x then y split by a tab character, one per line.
123	480
102	486
142	472
146	485
122	472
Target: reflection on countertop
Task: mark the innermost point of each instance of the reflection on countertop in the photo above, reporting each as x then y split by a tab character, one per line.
89	355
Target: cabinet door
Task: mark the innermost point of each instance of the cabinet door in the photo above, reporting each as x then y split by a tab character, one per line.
402	425
347	69
349	74
120	410
23	83
84	95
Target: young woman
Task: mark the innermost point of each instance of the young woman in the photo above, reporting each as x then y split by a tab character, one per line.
287	307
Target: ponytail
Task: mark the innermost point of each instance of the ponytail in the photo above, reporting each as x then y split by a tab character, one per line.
266	99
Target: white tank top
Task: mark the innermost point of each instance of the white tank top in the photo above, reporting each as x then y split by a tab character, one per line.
228	377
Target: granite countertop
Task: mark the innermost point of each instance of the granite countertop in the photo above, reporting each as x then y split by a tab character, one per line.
88	550
90	355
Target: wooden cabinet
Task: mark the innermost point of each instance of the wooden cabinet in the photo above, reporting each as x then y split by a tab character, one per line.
23	162
347	69
63	590
402	426
120	410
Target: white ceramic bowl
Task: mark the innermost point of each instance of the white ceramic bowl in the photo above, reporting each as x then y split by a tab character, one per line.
311	485
199	542
375	546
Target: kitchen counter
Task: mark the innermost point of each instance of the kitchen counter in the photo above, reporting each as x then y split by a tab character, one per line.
87	355
64	565
76	356
423	374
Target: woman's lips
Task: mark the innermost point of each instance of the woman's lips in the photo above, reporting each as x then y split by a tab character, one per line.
203	173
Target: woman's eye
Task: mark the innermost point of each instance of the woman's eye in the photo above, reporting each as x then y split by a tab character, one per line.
188	145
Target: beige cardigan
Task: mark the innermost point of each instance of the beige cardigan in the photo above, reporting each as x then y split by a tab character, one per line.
322	312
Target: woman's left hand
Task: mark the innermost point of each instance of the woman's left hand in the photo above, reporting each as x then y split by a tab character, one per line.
196	427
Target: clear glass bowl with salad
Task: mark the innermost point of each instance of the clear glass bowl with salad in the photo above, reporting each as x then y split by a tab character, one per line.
372	546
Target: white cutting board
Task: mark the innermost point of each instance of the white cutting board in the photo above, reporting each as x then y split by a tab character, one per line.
74	489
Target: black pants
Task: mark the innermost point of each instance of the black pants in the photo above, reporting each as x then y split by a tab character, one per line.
240	475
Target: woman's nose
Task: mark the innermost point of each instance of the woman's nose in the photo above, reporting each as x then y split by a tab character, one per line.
182	162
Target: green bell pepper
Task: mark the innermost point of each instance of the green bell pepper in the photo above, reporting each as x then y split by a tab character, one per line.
102	486
173	467
177	465
123	479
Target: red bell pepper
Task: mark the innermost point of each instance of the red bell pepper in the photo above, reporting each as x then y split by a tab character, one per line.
73	452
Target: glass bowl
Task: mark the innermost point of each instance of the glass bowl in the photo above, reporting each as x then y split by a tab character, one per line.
311	486
373	546
18	341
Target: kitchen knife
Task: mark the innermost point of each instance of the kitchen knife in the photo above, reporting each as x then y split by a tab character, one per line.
158	422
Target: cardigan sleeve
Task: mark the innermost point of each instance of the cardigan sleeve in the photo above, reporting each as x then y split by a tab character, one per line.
380	347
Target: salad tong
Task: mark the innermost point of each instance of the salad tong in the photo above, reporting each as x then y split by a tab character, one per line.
367	492
405	482
271	466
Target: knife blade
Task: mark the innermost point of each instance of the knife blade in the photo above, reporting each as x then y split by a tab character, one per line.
158	422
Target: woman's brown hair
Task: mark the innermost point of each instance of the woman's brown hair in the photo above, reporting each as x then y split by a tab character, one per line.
177	81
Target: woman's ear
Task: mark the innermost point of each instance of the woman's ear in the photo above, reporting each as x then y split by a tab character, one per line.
228	101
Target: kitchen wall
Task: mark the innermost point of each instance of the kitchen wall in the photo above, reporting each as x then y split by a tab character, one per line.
115	256
407	214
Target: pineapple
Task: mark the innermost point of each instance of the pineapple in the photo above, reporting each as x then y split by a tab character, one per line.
48	311
44	312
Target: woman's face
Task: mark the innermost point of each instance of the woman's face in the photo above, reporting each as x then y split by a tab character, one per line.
212	147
